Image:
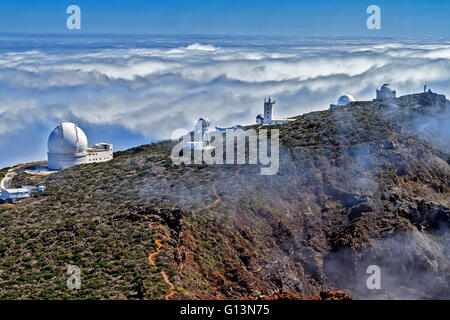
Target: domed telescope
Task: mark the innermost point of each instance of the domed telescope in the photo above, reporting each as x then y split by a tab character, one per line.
68	147
386	92
343	101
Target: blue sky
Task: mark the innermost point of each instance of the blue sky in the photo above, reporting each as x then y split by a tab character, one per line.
300	18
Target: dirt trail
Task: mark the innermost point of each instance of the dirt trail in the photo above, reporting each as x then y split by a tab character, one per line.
218	199
172	287
151	258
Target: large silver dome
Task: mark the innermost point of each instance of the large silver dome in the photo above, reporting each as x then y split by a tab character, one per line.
67	138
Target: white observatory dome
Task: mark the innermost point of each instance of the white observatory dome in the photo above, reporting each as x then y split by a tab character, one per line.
386	88
67	138
345	99
260	119
204	120
202	125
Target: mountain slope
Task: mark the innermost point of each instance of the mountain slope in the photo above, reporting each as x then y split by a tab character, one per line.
364	184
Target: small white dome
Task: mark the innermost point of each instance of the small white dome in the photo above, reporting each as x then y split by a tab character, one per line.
67	138
345	99
260	118
205	120
202	124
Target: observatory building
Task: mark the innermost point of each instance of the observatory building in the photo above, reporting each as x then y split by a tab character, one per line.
14	195
266	118
386	92
342	101
200	135
68	147
201	129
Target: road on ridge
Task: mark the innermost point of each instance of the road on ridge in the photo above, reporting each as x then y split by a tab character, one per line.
5	183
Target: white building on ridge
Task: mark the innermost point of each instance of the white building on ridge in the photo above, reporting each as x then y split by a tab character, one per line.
200	137
386	92
266	118
343	101
14	195
201	129
68	147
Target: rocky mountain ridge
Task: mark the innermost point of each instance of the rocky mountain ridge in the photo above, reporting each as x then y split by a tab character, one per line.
364	184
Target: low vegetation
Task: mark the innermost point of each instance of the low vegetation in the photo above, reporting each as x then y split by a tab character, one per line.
349	179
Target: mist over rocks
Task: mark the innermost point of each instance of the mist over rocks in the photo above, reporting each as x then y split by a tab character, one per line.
413	266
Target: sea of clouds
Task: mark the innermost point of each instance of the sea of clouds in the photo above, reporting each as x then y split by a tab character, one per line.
131	90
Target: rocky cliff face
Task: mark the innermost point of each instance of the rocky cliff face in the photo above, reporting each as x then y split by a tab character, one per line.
365	184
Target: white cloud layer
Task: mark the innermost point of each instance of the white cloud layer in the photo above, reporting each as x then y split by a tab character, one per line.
153	85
